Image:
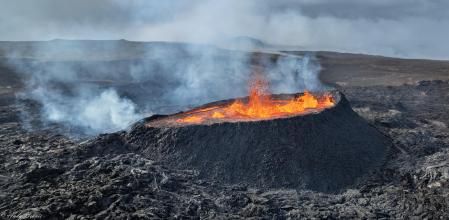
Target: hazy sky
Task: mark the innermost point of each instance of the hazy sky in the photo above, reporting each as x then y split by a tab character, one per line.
406	28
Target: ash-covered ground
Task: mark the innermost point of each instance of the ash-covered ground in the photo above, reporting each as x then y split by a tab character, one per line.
46	175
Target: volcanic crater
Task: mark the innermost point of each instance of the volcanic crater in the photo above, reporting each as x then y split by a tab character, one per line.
223	111
324	149
259	105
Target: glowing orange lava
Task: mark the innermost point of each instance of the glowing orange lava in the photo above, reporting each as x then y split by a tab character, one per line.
260	105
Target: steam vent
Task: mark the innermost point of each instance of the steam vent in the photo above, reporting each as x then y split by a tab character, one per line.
324	149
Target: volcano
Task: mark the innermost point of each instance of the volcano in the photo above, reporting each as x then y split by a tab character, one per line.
324	149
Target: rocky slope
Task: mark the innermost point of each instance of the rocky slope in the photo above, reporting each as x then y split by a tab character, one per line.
48	176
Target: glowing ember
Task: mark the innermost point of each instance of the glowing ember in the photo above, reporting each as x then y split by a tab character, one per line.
260	105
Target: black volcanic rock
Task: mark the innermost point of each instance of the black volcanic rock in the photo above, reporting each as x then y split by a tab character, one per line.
325	151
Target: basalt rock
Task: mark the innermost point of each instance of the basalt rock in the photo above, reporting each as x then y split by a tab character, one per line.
324	151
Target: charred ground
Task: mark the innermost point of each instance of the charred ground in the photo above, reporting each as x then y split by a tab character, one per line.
45	175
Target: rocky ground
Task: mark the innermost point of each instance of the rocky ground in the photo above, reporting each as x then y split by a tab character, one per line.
44	175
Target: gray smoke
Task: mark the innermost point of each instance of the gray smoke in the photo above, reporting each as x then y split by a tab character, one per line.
74	99
104	96
94	112
291	74
105	86
405	28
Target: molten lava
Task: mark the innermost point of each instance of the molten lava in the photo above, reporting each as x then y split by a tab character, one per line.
260	105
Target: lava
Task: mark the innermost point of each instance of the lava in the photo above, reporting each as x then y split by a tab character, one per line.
260	105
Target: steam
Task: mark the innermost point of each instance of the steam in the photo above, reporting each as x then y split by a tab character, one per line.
104	86
291	74
100	96
78	101
405	28
93	112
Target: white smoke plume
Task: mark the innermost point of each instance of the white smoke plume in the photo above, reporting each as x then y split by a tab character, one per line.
73	98
105	96
291	74
93	112
80	85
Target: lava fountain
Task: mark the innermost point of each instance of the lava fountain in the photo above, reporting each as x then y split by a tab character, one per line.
259	105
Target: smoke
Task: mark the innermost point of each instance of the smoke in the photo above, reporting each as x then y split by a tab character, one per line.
104	86
80	101
93	112
96	96
291	74
404	28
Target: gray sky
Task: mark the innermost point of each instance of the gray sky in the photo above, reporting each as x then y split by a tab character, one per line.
405	28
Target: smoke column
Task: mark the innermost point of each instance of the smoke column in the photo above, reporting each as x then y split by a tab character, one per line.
104	86
93	97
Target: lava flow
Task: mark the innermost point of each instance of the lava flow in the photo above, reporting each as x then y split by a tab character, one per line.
260	105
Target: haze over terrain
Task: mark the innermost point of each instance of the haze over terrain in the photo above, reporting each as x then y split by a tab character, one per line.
100	103
401	28
178	76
